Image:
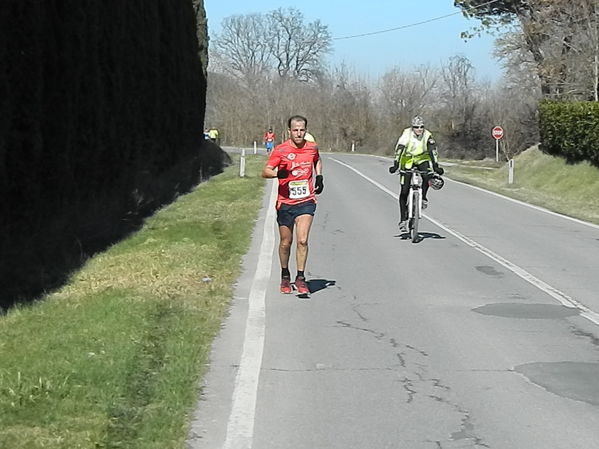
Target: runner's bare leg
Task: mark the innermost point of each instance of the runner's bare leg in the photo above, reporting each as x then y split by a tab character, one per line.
302	226
286	239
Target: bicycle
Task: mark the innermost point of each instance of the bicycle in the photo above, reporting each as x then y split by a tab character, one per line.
414	200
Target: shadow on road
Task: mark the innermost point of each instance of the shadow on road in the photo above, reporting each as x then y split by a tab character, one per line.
421	236
319	284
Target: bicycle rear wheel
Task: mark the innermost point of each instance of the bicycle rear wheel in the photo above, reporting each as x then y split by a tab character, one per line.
415	216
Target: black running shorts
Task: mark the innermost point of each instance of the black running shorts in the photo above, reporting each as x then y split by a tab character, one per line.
287	214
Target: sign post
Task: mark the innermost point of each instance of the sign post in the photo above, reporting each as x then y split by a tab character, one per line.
242	164
510	175
497	135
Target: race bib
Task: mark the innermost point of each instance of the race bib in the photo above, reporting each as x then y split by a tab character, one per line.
298	189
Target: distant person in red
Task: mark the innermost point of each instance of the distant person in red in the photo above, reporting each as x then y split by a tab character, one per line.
269	140
296	163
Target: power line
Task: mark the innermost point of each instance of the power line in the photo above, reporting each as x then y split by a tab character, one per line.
413	24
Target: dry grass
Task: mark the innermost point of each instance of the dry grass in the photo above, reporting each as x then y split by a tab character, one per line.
540	179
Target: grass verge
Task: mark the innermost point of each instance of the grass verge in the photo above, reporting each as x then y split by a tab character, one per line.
114	358
540	179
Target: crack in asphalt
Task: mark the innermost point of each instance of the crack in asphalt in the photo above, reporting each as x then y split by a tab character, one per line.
579	333
413	386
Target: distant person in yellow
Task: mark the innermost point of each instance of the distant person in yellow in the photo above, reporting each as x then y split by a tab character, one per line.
213	135
309	138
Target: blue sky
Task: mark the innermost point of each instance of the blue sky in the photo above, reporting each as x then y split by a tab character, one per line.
429	43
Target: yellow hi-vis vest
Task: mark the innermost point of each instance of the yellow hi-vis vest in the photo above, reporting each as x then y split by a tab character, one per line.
415	150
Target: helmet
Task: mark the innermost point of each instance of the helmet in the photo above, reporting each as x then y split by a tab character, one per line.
417	121
436	182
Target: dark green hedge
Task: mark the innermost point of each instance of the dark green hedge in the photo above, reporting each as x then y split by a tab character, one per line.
570	130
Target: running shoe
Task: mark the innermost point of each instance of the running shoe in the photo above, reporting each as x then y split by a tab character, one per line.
300	285
403	227
424	204
286	285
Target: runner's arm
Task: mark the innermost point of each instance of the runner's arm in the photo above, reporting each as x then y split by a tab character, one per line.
432	150
318	167
271	167
269	172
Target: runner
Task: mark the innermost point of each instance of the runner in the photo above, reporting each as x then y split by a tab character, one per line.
294	163
269	139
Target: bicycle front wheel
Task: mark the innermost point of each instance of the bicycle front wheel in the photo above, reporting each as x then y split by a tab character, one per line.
415	216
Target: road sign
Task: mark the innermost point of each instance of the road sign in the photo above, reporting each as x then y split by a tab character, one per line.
497	132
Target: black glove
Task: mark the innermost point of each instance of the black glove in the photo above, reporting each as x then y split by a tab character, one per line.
282	173
318	185
395	167
438	170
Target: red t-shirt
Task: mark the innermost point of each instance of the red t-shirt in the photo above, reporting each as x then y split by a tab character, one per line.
298	186
269	136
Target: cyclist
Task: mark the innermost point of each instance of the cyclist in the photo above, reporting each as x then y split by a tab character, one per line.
295	163
415	147
269	140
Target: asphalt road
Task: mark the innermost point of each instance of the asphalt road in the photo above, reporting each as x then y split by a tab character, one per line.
485	334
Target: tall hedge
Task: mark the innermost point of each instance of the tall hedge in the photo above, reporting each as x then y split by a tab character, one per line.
570	130
100	103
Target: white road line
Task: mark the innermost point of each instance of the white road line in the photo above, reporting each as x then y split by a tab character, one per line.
558	295
499	195
532	206
240	427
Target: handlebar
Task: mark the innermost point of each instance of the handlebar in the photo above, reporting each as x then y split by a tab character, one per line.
414	170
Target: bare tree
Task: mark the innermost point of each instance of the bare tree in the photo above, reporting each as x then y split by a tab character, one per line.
457	92
401	95
243	46
346	109
404	94
253	49
514	108
519	67
591	10
584	61
297	47
456	112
